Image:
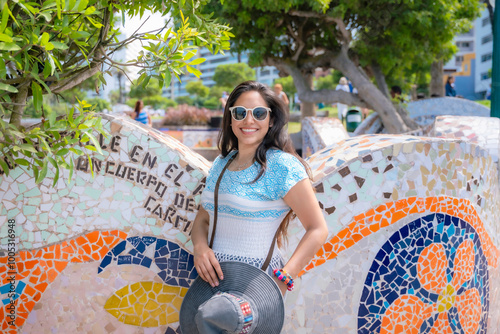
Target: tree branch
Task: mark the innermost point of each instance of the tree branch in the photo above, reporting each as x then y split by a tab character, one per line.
315	96
17	112
346	35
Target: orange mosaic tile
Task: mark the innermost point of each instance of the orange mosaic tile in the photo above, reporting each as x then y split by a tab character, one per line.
38	268
395	211
408	311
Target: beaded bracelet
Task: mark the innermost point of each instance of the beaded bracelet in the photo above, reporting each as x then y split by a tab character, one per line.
284	277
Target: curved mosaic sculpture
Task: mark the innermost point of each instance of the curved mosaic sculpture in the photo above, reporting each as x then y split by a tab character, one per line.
113	253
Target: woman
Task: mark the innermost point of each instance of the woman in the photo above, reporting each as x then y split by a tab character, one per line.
264	180
450	86
342	108
141	115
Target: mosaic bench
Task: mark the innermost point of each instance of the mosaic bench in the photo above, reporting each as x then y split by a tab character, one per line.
413	242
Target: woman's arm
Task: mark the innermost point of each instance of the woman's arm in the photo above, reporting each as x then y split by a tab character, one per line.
303	202
205	262
150	121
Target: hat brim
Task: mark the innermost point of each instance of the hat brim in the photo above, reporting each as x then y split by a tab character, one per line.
243	279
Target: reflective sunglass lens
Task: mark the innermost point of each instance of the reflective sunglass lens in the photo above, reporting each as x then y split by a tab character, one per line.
239	113
259	114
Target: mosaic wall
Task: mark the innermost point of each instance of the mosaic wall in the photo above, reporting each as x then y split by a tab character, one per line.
319	132
413	245
412	248
483	131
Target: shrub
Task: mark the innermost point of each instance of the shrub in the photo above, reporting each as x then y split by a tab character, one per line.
158	102
186	115
211	103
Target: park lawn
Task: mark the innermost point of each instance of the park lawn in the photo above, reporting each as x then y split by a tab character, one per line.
486	103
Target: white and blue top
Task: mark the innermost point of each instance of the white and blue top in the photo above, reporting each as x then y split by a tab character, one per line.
249	213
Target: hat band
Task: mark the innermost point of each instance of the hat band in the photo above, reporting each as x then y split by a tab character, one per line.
246	309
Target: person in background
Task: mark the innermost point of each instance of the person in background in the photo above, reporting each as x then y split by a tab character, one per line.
141	115
223	99
342	108
450	86
278	90
396	92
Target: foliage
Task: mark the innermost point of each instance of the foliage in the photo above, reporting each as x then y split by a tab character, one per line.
73	95
186	99
197	88
52	46
216	91
158	102
31	112
131	103
186	115
287	83
99	104
139	92
325	82
114	96
211	103
52	143
363	39
231	75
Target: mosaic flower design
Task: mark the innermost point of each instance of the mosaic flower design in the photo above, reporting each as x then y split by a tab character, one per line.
431	273
429	277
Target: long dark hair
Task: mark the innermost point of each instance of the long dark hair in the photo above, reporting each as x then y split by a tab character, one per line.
138	107
276	137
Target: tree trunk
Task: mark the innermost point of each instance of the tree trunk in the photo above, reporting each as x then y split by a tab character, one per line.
17	113
368	92
436	88
307	108
380	78
368	95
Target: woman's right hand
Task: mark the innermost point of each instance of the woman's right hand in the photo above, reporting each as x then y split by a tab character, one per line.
207	265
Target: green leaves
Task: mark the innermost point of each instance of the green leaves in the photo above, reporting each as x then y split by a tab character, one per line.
37	95
51	45
49	146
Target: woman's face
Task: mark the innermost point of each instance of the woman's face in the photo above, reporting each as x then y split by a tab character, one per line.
250	132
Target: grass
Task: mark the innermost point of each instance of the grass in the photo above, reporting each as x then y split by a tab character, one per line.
486	103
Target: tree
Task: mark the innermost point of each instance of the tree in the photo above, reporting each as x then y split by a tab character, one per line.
197	88
231	75
364	39
51	46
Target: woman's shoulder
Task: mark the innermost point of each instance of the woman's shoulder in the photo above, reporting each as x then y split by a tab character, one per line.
278	158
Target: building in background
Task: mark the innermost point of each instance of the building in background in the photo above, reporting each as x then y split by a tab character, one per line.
472	64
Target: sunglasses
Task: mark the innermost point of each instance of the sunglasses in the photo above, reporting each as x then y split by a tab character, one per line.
258	113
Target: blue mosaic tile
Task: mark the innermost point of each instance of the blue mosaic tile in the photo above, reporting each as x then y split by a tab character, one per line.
175	264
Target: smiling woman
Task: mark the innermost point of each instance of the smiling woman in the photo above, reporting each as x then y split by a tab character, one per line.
252	191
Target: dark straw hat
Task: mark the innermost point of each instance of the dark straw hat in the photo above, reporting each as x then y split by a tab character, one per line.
247	300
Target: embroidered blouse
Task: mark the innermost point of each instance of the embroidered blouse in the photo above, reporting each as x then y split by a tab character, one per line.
250	213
